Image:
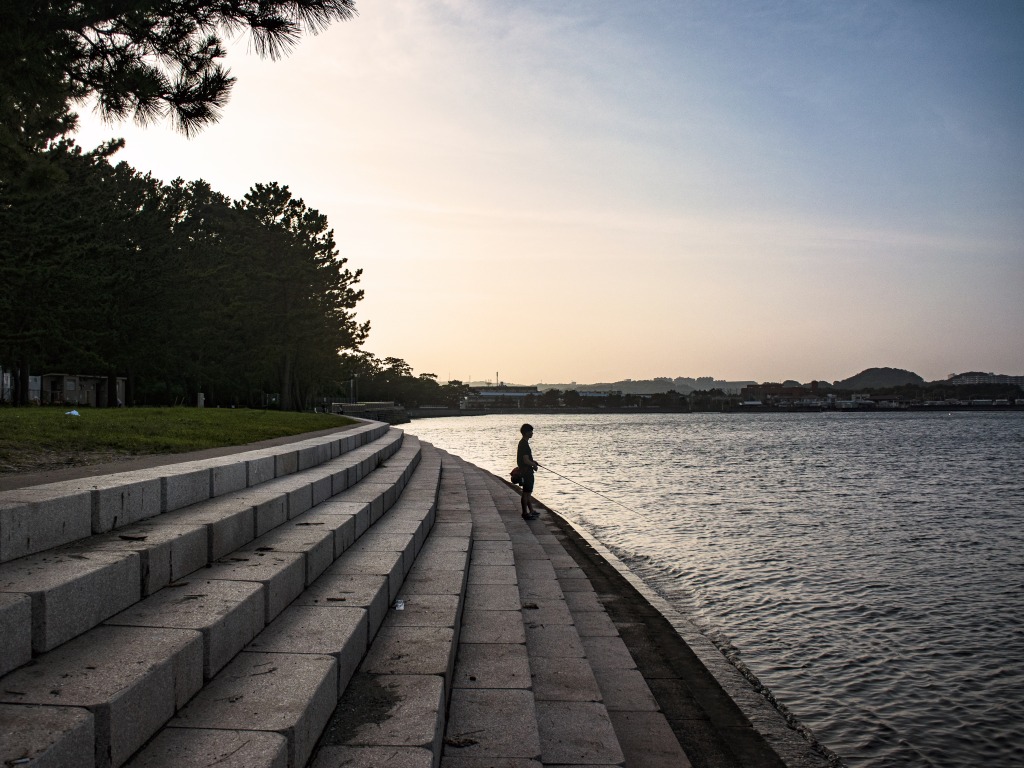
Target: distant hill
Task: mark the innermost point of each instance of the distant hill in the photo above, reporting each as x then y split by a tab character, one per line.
879	378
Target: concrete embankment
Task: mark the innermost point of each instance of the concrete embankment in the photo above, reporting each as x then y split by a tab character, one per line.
355	598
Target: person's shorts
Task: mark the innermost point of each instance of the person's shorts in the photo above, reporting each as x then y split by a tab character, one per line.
527	481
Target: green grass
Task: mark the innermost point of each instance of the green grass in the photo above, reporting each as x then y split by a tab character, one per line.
147	430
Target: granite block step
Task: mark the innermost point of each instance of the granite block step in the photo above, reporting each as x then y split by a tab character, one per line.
229	614
71	591
16	637
45	735
222	748
74	587
642	729
291	694
393	711
222	614
43	517
130	679
287	678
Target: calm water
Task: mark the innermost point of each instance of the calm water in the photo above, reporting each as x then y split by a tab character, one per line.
868	568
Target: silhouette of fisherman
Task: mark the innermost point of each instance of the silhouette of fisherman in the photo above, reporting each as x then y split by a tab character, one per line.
527	466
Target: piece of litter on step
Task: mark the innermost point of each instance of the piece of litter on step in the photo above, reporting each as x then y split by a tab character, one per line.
399	605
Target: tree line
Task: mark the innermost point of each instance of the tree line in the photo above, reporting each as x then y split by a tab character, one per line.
178	288
392	380
105	270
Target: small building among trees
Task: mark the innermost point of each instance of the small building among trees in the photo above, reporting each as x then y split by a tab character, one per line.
77	389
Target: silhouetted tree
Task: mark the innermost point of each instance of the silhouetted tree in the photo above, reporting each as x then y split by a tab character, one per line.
144	60
393	379
74	261
551	397
306	292
214	344
453	393
670	399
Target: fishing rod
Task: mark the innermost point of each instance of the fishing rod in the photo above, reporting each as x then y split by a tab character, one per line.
598	493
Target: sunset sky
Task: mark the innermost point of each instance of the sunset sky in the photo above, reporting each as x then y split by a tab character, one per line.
591	190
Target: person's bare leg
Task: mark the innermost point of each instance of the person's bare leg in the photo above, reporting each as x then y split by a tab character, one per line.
524	501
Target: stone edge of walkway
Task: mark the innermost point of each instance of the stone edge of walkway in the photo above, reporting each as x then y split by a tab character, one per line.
10	481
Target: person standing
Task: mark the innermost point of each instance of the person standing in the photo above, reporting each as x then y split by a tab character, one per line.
526	464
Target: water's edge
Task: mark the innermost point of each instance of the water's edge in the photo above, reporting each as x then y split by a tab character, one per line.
790	738
841	565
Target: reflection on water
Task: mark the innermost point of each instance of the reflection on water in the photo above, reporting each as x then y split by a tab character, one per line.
867	567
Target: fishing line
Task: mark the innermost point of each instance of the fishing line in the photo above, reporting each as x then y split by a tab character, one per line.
598	493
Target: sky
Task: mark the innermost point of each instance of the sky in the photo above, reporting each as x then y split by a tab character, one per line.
592	191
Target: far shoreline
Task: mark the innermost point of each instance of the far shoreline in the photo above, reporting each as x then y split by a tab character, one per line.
433	413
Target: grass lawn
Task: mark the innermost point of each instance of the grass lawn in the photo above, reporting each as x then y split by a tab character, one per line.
43	438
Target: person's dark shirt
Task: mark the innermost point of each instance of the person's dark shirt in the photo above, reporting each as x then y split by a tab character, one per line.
524	456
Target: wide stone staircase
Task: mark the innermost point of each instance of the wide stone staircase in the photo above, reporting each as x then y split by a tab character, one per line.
357	599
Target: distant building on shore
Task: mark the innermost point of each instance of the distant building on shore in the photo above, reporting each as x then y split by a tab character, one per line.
500	396
976	377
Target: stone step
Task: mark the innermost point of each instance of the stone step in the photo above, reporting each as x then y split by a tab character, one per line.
42	517
393	711
287	679
74	587
123	680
